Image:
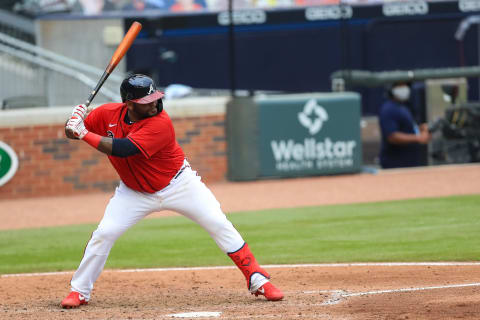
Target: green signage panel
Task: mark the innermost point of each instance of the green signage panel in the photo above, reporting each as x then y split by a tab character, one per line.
8	163
309	134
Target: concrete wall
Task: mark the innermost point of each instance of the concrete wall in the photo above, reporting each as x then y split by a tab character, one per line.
50	164
91	41
20	78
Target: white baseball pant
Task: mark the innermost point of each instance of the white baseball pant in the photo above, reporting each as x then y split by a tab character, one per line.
186	194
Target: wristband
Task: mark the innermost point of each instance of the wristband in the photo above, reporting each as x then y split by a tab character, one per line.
92	139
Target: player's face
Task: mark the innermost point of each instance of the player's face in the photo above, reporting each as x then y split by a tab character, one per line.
142	111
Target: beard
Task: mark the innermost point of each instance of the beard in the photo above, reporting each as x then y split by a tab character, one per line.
143	114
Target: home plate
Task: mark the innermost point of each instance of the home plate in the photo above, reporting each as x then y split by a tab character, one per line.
196	315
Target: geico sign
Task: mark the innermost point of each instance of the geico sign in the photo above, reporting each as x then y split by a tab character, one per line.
242	17
328	13
469	5
408	8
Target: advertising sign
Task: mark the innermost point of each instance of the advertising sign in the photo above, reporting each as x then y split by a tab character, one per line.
8	163
310	134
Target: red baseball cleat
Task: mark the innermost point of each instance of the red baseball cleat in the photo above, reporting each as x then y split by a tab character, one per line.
270	292
73	300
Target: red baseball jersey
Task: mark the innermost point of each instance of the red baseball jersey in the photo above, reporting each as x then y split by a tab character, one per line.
161	156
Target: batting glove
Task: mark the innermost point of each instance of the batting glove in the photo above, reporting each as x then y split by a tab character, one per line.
80	111
77	126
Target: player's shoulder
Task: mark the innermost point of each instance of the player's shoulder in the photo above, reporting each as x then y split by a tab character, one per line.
108	108
161	117
158	123
105	111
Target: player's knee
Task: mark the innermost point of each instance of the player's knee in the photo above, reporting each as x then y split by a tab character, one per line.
103	240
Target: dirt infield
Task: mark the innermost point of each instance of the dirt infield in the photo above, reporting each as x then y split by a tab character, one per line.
357	291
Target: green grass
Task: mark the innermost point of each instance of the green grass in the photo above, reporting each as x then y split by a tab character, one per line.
439	229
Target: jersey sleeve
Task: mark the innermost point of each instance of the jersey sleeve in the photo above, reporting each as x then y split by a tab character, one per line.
153	137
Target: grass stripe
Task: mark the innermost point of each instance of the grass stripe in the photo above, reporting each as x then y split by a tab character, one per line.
437	229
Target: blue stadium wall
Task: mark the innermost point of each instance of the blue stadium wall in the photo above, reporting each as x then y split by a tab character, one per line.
296	50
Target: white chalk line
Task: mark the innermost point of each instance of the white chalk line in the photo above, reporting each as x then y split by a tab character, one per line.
198	314
338	295
273	266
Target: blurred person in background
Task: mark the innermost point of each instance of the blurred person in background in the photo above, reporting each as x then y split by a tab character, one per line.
141	5
187	5
160	3
222	5
304	3
119	4
93	7
402	137
273	3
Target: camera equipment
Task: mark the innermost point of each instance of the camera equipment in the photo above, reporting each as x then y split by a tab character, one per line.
460	134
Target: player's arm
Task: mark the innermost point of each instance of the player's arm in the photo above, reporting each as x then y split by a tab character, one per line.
75	129
115	147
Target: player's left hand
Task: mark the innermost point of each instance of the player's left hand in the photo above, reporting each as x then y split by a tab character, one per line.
80	111
77	127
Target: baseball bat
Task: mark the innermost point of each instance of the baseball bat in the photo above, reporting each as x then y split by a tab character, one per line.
117	56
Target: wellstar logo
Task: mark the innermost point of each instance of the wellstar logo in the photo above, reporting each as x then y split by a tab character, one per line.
311	149
313	116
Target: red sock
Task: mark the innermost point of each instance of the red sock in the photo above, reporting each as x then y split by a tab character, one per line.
246	262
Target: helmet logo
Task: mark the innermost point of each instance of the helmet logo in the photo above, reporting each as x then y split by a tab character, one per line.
152	90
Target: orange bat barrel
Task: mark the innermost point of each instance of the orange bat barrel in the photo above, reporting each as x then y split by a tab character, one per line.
124	45
117	56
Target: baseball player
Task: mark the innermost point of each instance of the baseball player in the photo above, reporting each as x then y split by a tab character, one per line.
139	140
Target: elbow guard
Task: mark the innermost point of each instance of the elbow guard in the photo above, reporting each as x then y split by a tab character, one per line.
123	148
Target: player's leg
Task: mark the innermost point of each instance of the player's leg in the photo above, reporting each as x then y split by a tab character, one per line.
190	197
124	210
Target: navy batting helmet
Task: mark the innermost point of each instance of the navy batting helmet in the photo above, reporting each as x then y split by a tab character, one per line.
139	88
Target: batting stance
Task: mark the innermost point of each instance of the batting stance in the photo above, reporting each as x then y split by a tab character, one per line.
139	139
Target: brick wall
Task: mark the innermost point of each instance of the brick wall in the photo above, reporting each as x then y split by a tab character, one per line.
51	165
204	143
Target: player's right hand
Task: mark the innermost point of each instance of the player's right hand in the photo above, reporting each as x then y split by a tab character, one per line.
80	111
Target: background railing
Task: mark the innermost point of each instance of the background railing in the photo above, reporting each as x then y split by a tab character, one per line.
33	76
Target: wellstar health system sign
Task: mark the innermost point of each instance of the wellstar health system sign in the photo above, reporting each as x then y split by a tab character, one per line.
310	134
